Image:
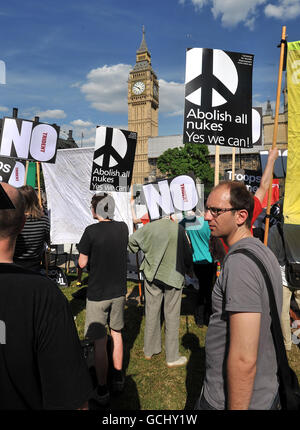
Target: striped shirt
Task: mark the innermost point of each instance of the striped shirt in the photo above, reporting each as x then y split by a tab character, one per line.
31	241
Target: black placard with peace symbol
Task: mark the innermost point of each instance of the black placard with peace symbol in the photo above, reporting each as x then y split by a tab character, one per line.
218	98
113	159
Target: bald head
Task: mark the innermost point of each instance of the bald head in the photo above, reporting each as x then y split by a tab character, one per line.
12	220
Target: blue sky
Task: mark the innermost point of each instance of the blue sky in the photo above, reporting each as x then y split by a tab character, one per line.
68	61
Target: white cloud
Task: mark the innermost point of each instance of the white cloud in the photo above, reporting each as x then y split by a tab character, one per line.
106	88
52	113
285	9
232	12
171	98
81	123
3	109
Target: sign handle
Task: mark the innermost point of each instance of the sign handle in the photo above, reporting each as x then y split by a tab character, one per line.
136	255
217	164
26	172
39	182
233	163
282	47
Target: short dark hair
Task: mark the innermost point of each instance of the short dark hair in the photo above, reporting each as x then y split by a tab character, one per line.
105	209
11	220
240	198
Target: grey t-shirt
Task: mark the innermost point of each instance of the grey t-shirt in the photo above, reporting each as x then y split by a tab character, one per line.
241	288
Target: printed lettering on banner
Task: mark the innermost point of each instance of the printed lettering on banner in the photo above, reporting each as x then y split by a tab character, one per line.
113	159
29	140
218	98
170	196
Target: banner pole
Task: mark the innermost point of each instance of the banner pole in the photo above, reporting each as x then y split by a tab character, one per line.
69	258
26	172
282	46
136	256
217	164
233	164
39	182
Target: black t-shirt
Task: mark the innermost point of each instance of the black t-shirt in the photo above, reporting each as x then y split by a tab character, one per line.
105	244
41	360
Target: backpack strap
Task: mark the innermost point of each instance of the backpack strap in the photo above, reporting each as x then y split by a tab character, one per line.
275	326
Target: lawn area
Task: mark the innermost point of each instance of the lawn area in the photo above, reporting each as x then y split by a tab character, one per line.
151	385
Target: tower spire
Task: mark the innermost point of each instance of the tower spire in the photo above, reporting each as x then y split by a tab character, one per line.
143	47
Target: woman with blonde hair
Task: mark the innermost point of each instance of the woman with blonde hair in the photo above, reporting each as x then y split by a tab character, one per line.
31	241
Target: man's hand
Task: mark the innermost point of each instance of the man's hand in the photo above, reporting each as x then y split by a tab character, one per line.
267	175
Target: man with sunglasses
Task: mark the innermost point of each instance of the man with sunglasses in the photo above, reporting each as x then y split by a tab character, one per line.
241	366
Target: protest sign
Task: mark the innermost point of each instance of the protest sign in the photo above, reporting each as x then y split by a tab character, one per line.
170	196
257	126
6	167
28	140
251	178
113	159
218	98
291	208
17	177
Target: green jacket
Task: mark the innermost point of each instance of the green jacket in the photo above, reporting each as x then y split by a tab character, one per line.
167	253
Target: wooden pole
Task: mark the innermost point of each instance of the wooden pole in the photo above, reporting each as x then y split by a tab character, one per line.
136	257
282	46
217	164
39	182
233	163
26	172
69	258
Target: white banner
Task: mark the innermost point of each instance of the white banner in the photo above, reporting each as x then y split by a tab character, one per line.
67	185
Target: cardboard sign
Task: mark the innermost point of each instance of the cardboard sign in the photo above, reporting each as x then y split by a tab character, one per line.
218	98
251	178
171	196
28	140
6	167
257	126
17	177
113	159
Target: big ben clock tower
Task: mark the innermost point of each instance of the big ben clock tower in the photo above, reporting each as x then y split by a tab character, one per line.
142	109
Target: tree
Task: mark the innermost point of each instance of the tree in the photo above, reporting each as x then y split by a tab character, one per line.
189	158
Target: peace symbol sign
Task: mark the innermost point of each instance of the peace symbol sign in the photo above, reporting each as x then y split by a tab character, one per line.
110	147
211	77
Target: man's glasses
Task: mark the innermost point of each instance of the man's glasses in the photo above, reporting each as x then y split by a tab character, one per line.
218	211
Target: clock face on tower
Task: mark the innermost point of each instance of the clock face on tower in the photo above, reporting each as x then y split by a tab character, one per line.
138	88
155	90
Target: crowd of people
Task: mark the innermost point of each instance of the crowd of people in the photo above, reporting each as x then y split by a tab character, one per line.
41	362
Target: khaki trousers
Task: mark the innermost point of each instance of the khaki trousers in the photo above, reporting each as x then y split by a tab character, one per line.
285	315
154	296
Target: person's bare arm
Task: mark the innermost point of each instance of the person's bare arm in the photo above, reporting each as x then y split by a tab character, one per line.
83	260
242	357
267	175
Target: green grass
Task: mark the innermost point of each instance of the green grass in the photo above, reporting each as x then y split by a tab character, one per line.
151	385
